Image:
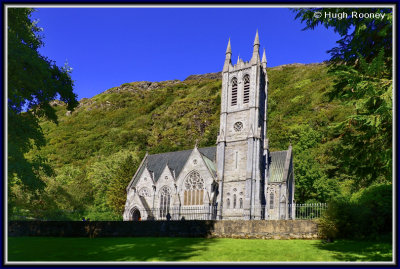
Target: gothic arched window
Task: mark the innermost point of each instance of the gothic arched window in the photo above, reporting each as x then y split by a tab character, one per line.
240	203
228	203
246	89
234	201
271	200
144	192
234	91
165	198
194	189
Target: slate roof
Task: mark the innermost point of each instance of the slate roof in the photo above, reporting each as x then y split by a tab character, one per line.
277	166
211	165
175	160
209	152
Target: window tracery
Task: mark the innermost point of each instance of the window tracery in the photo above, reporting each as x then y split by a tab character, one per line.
271	200
194	189
144	192
165	198
238	126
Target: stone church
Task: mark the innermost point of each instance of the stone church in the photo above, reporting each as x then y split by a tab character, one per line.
239	178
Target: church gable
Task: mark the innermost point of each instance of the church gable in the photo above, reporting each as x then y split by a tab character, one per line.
167	171
196	170
140	192
137	174
145	178
166	179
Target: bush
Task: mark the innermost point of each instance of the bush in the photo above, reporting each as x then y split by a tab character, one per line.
365	214
103	215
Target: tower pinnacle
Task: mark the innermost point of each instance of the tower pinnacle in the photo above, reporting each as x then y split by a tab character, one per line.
228	49
256	54
264	60
256	39
228	55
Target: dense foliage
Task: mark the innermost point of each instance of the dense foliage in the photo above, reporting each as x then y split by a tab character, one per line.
362	66
360	36
365	214
33	81
116	194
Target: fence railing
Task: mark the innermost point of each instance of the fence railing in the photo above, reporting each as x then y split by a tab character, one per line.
283	211
175	213
308	211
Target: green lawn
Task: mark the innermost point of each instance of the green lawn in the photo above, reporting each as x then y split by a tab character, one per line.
192	249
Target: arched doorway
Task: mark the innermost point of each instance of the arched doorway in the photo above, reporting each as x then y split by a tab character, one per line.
135	214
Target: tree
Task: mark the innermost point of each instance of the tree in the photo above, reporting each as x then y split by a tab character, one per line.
362	65
365	151
116	192
363	37
33	81
312	184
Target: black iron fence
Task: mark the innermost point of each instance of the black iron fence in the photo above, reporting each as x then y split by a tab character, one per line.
283	211
175	213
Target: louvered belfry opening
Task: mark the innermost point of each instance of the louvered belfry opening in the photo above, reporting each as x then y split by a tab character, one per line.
234	92
246	91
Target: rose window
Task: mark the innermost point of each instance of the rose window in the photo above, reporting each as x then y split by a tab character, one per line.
144	192
238	126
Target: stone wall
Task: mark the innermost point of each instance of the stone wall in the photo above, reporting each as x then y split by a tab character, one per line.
272	229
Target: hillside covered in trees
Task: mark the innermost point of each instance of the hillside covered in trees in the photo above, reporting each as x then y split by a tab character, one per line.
94	150
69	159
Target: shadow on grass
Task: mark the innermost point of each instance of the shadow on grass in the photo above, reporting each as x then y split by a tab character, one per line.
153	249
105	249
351	250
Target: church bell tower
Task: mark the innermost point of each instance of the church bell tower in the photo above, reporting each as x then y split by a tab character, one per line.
241	140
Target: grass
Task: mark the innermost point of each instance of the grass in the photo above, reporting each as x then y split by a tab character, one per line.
192	249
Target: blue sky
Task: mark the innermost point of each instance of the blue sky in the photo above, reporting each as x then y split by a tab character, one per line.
107	47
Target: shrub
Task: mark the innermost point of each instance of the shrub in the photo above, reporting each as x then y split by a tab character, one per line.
367	213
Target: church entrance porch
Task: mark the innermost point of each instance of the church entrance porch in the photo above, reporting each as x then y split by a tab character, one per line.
135	214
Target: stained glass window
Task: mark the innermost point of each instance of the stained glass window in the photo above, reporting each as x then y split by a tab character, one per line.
194	189
165	198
